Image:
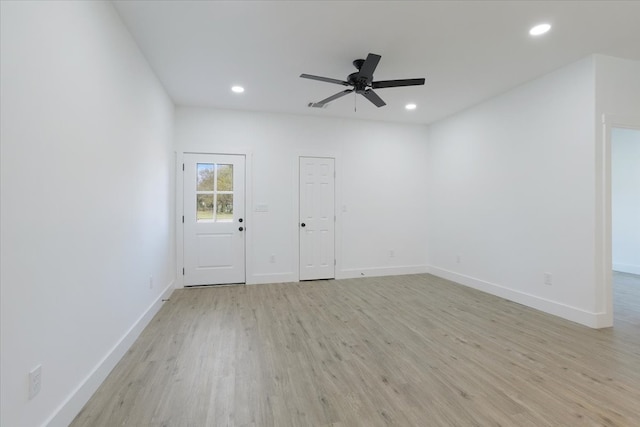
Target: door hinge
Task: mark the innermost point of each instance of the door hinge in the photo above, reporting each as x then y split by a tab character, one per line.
183	166
334	218
183	271
334	262
183	219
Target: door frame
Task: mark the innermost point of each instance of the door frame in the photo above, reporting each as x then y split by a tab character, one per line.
179	211
604	262
337	209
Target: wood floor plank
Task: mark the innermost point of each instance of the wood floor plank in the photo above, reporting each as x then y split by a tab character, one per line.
405	351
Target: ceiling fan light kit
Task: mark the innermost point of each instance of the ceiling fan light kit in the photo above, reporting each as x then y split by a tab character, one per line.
361	82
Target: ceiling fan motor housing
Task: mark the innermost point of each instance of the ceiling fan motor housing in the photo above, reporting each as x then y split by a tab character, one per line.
357	81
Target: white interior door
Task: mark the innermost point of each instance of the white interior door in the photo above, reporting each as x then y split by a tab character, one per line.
214	243
317	218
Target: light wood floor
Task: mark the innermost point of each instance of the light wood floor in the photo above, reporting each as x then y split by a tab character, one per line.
405	351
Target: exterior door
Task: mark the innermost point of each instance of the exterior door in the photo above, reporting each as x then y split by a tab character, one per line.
214	243
317	218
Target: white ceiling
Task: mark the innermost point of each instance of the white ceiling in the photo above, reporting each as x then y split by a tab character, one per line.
467	50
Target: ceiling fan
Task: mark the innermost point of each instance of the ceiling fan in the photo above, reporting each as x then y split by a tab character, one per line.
362	82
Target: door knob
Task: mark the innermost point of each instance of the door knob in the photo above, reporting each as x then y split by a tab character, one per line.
303	225
241	228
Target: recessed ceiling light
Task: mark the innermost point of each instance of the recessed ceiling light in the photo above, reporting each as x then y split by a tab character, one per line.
539	29
410	106
237	89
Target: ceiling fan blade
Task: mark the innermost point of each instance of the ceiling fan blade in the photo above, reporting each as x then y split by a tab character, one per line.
324	79
322	103
369	66
373	97
397	83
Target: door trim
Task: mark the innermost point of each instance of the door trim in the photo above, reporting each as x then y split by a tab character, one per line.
248	206
295	229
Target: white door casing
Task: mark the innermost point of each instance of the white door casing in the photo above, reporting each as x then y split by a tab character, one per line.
317	218
214	219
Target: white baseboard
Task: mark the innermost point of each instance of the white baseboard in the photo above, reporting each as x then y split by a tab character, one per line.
352	273
80	396
626	268
592	320
272	278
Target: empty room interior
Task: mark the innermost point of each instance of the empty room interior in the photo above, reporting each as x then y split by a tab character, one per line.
317	213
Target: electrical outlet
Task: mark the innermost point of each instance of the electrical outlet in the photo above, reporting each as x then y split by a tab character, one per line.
548	279
150	282
35	381
458	259
272	259
392	253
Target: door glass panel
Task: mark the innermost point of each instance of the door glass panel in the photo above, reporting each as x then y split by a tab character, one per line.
225	177
224	208
204	207
205	177
214	192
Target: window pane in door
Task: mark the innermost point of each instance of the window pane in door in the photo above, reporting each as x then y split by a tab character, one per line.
224	208
205	176
204	207
225	177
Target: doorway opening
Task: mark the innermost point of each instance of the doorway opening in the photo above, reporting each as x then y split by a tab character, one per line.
625	222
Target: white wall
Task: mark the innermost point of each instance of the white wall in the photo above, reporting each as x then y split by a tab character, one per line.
511	193
86	202
617	87
380	176
625	195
